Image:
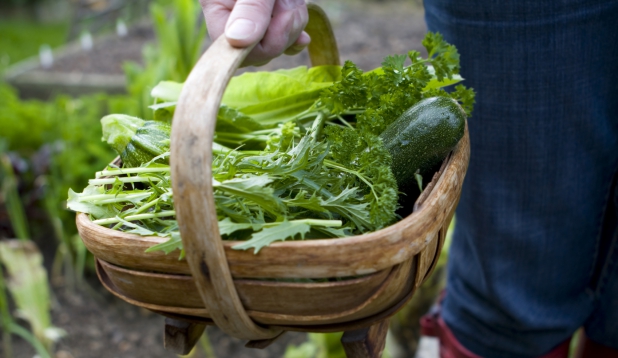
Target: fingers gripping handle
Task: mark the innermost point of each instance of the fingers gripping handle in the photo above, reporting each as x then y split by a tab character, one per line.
191	161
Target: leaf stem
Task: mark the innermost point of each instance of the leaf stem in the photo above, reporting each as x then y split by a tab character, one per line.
345	122
147	206
114	172
135	217
112	198
125	180
312	222
243	136
318	124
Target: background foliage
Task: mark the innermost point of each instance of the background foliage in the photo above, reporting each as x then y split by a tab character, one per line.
50	146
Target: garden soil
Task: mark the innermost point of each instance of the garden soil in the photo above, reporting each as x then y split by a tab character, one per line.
97	324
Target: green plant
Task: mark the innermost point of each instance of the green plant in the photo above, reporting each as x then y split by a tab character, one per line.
25	124
321	345
27	277
6	320
9	196
180	37
29	288
59	143
59	140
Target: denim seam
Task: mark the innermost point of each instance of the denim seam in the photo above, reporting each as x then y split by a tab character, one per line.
608	265
593	292
612	255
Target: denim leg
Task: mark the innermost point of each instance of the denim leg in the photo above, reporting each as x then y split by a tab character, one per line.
544	150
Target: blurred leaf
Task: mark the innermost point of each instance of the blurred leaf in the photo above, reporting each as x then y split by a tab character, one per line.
28	337
25	124
319	345
168	91
9	196
180	35
27	283
6	321
305	350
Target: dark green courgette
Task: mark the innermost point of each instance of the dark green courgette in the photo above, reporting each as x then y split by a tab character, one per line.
422	137
150	140
136	141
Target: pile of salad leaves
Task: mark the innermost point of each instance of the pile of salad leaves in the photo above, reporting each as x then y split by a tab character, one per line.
296	154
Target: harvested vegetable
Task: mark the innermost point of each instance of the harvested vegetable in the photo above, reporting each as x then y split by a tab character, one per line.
298	152
423	136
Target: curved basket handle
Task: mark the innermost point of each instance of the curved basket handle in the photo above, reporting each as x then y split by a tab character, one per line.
323	46
191	161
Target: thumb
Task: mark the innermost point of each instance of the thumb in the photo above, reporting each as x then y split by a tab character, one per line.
248	22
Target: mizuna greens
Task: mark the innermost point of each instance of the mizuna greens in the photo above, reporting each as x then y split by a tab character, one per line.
297	153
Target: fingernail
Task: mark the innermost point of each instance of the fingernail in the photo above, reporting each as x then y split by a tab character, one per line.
240	29
303	40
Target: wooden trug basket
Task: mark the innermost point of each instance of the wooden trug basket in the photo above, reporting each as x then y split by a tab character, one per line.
216	284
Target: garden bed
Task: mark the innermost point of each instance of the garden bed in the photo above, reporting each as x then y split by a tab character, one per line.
77	71
364	35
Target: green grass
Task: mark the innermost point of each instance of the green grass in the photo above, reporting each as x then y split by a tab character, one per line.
20	39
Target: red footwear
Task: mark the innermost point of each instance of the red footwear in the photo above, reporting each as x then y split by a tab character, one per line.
562	351
433	325
590	349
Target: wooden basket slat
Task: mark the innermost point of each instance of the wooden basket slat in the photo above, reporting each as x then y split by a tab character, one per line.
313	304
179	290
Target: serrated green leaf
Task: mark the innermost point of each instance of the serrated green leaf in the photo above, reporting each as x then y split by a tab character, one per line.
254	189
172	244
285	230
304	200
227	226
349	205
445	82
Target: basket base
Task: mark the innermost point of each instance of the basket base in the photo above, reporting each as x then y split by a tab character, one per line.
200	315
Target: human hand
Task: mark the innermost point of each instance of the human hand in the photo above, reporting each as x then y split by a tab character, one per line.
275	26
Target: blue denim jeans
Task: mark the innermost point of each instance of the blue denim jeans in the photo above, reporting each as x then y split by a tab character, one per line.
535	251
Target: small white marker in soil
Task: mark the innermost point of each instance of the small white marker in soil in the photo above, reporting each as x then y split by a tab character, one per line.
46	56
428	347
86	41
121	28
